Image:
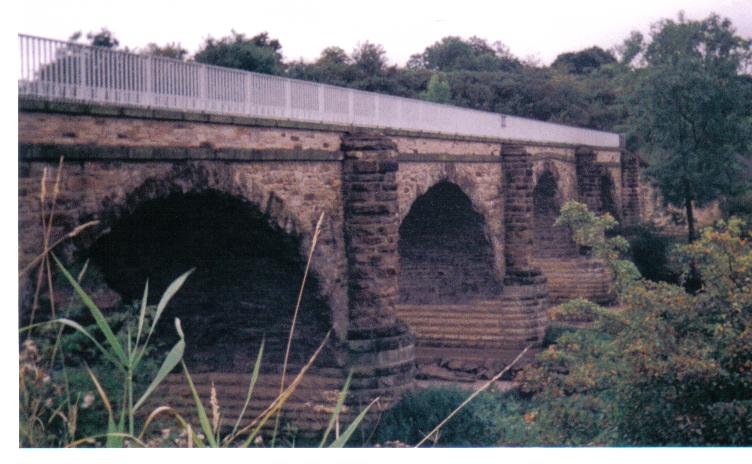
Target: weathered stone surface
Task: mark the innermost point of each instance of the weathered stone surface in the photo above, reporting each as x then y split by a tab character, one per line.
382	352
366	184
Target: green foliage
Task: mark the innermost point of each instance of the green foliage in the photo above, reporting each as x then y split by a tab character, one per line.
171	50
650	252
418	412
691	110
457	54
258	53
740	206
438	90
583	61
589	231
668	368
104	38
47	414
125	356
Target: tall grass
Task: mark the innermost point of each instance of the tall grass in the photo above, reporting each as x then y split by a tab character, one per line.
126	354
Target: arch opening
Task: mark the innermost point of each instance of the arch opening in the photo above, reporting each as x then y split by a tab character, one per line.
607	194
244	288
550	241
445	257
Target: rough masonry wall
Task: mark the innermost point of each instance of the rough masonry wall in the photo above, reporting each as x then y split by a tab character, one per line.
381	349
444	254
630	180
481	182
290	194
597	175
66	129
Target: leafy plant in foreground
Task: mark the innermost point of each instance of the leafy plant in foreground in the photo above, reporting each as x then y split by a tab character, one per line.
668	368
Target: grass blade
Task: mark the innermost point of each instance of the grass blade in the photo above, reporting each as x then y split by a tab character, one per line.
167	296
101	391
337	409
117	348
254	378
173	358
75	325
142	313
278	402
341	441
473	395
202	417
112	440
183	423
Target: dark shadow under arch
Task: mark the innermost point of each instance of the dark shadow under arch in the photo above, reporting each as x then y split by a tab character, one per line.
244	287
550	241
607	195
445	256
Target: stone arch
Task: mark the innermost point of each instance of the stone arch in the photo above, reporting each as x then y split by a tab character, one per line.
607	195
549	241
445	254
268	210
184	178
243	290
479	182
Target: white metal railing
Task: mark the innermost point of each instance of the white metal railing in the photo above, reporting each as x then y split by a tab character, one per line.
58	70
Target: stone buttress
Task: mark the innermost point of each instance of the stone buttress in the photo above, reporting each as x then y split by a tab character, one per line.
381	348
525	295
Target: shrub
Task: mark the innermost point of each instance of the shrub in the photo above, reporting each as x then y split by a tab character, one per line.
670	368
650	253
418	412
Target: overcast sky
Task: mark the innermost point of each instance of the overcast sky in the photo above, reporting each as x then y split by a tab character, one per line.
530	28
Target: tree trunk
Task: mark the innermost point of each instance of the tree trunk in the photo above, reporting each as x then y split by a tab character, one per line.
690	218
694	282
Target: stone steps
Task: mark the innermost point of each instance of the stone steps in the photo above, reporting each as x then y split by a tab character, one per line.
309	408
580	276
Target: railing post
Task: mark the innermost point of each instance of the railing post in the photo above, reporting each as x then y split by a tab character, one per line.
351	106
247	95
203	88
321	102
150	97
288	99
82	72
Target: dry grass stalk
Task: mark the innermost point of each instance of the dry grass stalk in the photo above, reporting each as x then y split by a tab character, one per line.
314	241
214	407
470	398
43	261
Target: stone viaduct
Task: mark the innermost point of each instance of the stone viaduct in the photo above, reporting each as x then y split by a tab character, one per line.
434	247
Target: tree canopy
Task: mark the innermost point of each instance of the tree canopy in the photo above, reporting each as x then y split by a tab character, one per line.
258	53
456	54
584	61
691	110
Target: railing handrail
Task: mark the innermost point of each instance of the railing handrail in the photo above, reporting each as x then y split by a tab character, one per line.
101	75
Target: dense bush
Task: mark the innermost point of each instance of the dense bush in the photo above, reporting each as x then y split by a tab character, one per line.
418	412
650	252
670	368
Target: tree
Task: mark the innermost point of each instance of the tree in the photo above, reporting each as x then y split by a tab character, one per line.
691	113
584	61
438	90
171	50
259	53
630	48
369	59
457	54
104	38
668	367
